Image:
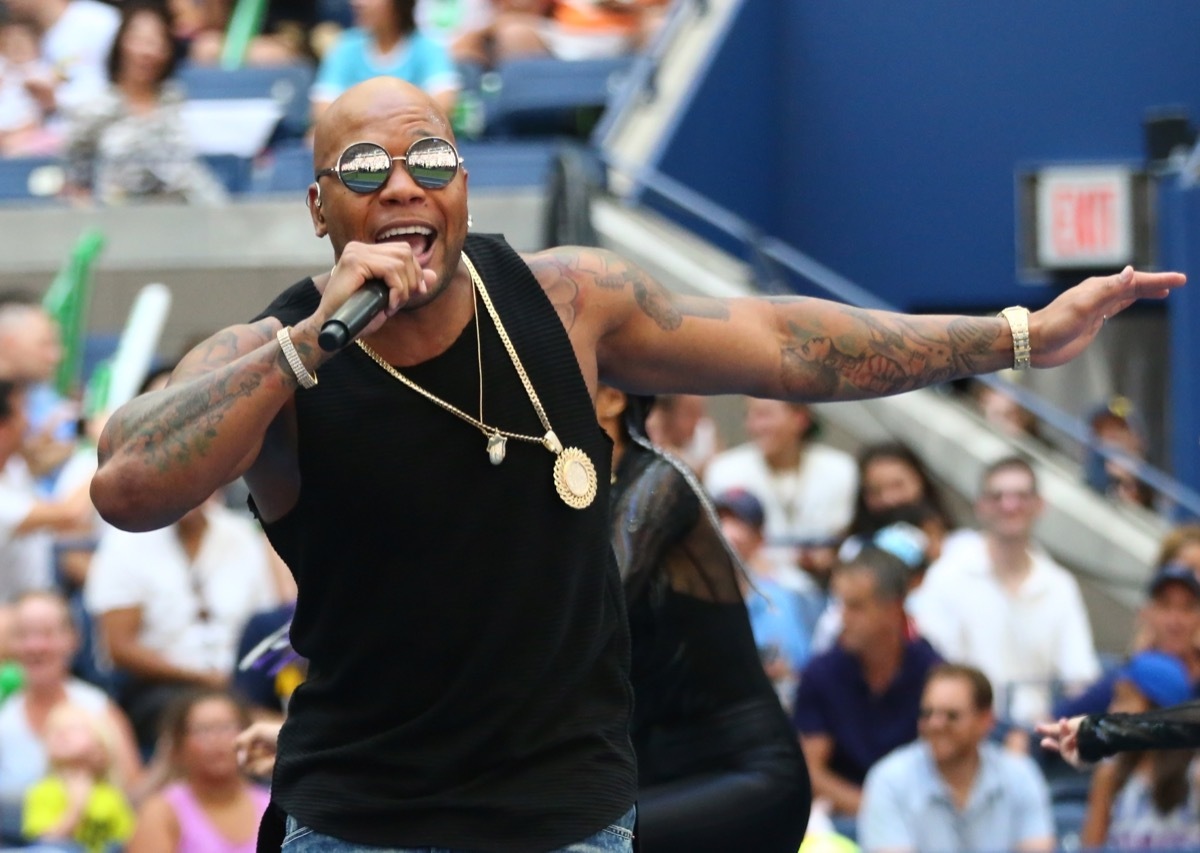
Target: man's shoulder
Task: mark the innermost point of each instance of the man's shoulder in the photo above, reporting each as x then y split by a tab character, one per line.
735	459
294	303
1015	771
923	653
831	458
963	563
82	14
830	667
904	764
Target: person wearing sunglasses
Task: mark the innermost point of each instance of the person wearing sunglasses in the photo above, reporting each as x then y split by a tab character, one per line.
440	487
952	789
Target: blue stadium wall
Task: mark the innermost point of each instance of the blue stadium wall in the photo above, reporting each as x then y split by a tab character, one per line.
882	138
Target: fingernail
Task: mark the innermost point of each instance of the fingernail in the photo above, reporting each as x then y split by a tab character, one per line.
1127	274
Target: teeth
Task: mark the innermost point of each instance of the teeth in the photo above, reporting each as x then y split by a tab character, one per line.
406	229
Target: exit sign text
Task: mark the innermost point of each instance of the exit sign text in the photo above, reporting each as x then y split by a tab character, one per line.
1084	217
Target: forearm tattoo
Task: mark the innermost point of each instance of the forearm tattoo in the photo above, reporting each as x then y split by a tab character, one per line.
850	352
178	425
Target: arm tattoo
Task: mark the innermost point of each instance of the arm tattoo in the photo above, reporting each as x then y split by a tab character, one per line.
177	425
561	271
874	354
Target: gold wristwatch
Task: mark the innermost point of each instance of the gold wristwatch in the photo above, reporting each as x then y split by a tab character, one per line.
1018	321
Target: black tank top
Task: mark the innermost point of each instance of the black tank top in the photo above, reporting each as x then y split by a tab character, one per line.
468	683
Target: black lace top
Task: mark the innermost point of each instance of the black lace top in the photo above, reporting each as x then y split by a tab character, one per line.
694	656
1177	727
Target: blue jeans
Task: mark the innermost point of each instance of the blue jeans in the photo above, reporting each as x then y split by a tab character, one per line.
617	838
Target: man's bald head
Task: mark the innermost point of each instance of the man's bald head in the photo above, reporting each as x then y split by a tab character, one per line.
371	104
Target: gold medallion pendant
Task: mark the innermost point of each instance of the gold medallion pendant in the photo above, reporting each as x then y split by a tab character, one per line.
575	478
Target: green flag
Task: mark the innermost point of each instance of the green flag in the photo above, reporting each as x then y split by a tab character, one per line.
67	301
245	22
95	395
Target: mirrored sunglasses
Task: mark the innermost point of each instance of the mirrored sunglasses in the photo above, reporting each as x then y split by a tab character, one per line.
365	167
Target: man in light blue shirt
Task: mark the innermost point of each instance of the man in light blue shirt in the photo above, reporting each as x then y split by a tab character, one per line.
951	789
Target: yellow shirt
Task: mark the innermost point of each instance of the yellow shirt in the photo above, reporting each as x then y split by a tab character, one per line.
107	818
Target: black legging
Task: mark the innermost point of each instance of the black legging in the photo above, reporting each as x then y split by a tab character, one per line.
734	781
723	812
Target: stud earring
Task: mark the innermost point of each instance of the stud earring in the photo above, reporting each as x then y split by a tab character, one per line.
470	221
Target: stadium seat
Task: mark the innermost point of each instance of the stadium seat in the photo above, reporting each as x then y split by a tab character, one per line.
547	96
30	179
287	85
508	163
232	171
286	169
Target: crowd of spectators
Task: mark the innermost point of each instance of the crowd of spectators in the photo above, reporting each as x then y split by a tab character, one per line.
119	649
913	648
101	84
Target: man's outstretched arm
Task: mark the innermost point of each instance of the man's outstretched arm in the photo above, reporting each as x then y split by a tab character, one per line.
797	348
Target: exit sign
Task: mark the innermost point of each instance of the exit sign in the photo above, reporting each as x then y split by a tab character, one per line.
1085	217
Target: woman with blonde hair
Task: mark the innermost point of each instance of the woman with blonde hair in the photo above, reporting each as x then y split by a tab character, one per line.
78	801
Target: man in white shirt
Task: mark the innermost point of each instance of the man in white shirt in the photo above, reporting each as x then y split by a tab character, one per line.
807	489
76	38
951	789
171	604
1001	604
26	521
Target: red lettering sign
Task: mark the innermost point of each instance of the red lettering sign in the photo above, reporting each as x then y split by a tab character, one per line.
1084	216
1084	220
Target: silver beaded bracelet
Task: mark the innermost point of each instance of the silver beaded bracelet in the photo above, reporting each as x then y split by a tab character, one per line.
306	379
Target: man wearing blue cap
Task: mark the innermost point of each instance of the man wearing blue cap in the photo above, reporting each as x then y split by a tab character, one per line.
777	614
1171	617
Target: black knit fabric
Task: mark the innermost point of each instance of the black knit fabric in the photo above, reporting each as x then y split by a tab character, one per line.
468	680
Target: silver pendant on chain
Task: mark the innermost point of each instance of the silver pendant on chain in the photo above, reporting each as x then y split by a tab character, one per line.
495	448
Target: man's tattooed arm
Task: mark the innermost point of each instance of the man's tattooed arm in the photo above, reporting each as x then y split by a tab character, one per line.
166	451
793	348
833	351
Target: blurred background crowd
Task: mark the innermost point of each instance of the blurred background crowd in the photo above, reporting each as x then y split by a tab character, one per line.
914	636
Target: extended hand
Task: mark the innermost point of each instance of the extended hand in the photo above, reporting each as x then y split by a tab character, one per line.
1063	737
1065	327
256	748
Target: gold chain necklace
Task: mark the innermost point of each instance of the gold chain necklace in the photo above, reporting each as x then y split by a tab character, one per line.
574	474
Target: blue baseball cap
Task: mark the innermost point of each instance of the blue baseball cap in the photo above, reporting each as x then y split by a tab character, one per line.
1161	678
1174	573
742	505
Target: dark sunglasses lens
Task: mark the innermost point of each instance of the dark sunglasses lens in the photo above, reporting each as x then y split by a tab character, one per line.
364	167
432	162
